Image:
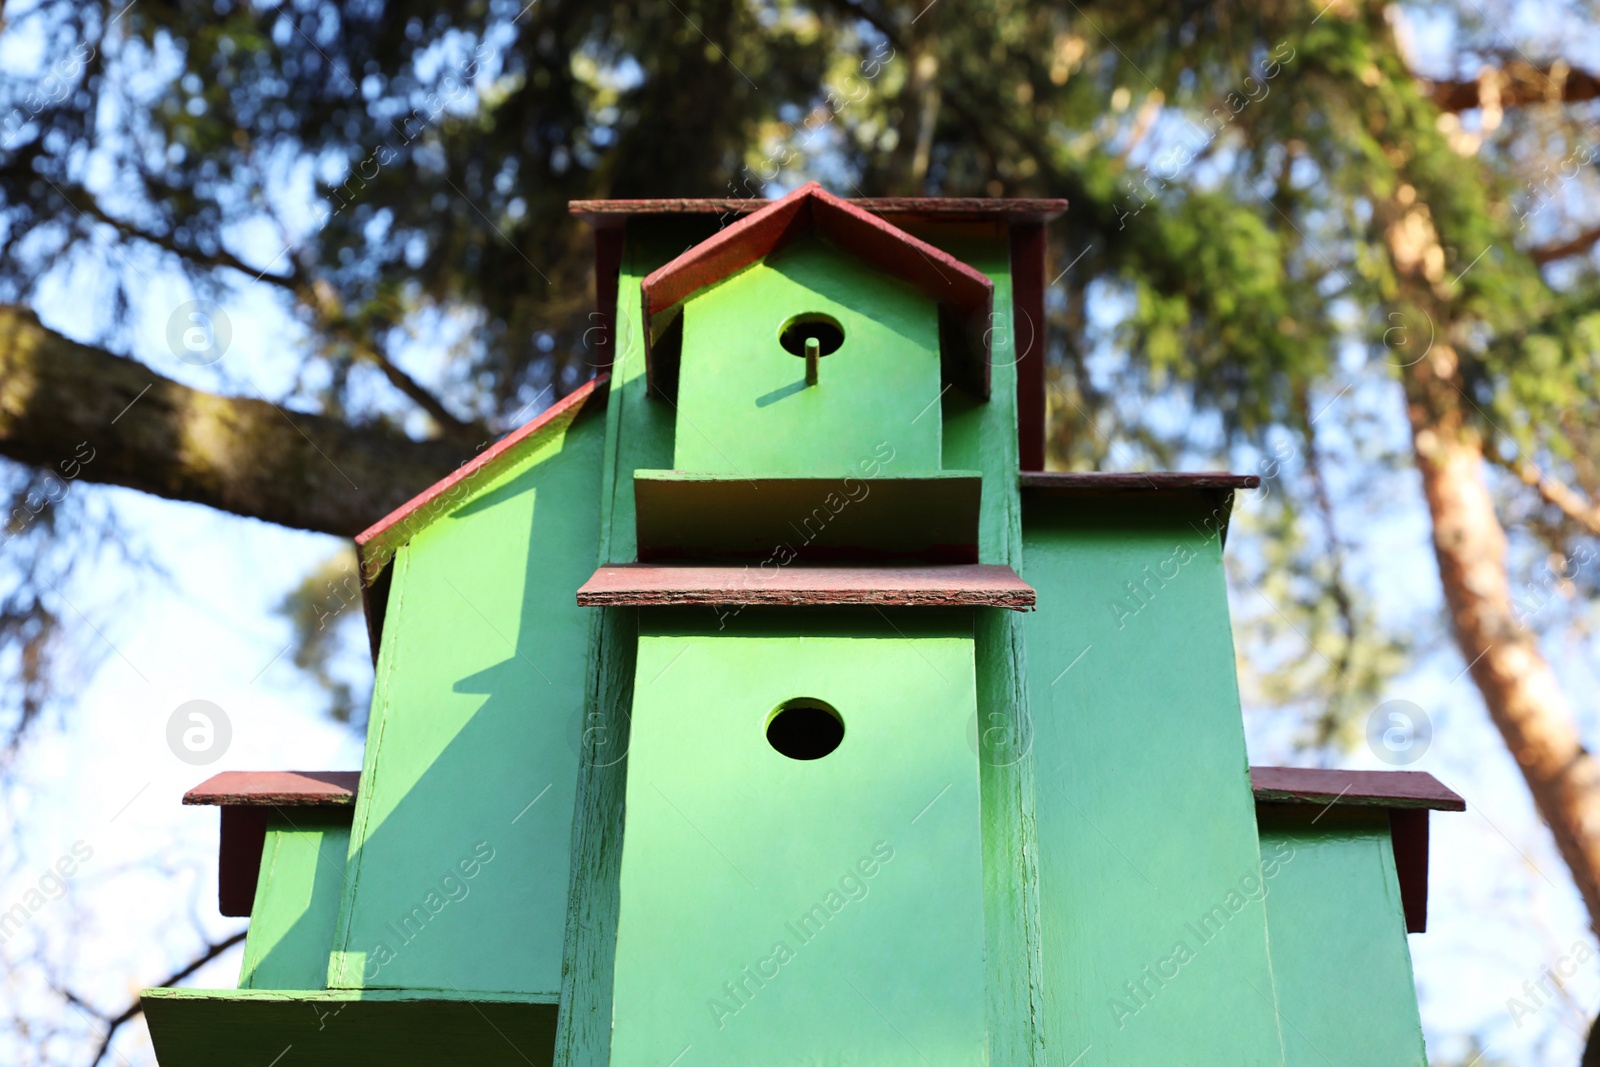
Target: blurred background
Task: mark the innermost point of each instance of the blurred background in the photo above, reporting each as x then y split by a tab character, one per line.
268	269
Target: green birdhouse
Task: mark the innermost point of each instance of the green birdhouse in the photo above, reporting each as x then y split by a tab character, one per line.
764	701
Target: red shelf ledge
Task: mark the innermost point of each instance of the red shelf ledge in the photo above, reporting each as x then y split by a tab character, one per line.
651	585
1407	796
247	798
1378	789
276	788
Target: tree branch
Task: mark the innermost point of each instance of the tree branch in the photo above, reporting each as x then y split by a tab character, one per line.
317	294
1577	246
1556	493
1515	83
212	951
85	413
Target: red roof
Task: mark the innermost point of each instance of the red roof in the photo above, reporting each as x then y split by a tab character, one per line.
604	213
377	544
1378	789
1406	796
961	292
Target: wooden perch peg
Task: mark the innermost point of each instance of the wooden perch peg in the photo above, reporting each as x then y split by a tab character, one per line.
813	355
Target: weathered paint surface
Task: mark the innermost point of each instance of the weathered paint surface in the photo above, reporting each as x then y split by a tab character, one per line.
983	436
1151	894
297	900
1339	952
458	854
830	908
638	436
661	585
743	404
347	1028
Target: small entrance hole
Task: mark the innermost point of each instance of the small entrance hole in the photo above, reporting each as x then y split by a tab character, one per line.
805	729
825	328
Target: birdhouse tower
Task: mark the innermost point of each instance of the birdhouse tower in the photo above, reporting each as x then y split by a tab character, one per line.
764	701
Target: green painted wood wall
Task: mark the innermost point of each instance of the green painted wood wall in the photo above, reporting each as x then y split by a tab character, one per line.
462	833
1339	951
978	436
983	435
743	404
828	908
297	900
1154	929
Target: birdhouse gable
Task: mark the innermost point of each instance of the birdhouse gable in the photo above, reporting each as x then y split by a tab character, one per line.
751	401
963	296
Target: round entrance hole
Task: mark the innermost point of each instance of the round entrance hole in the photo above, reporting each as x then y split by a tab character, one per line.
798	330
805	729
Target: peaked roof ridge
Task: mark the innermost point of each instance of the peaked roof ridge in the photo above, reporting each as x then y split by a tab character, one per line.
782	221
964	294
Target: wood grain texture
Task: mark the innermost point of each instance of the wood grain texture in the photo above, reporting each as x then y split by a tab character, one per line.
277	788
911	208
983	436
638	435
662	585
1323	787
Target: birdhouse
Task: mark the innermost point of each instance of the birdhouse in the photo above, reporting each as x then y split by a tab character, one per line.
765	701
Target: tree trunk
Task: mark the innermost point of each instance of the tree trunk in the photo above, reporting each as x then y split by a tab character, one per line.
1518	687
80	412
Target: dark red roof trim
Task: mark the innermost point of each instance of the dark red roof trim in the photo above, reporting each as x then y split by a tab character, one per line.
1380	789
376	545
944	208
247	798
275	788
1109	481
962	585
960	289
1407	796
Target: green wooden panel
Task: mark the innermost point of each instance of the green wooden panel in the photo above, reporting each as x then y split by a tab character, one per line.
346	1028
638	435
1339	953
831	908
1154	934
743	404
983	436
297	900
462	834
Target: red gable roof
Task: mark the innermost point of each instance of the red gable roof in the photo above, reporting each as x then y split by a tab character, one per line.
965	296
377	544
